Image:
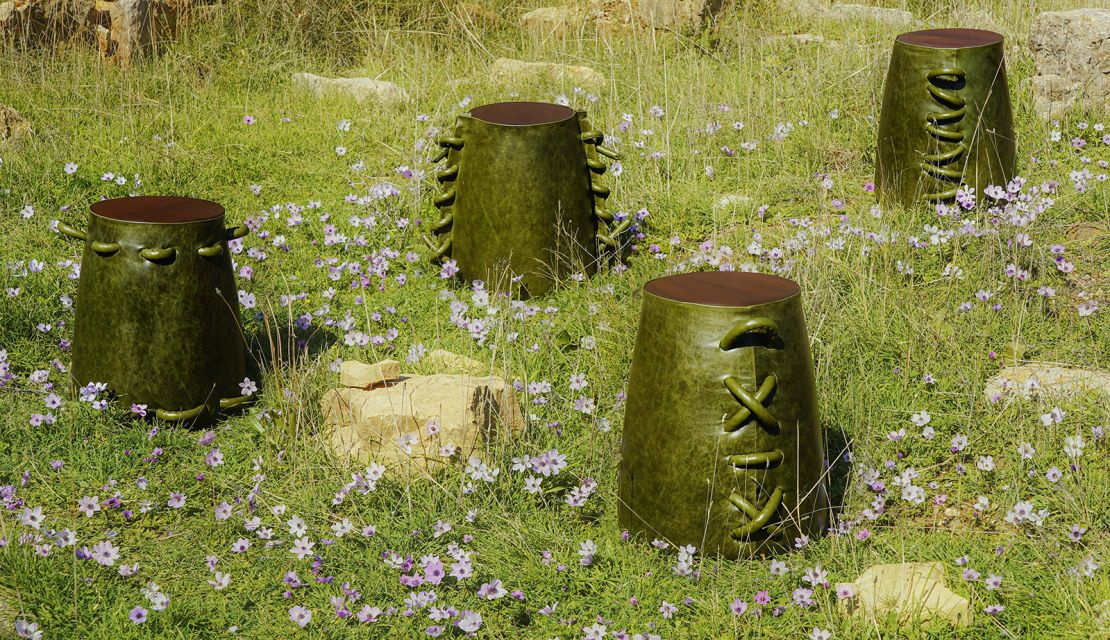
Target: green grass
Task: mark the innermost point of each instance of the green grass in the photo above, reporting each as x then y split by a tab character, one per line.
177	122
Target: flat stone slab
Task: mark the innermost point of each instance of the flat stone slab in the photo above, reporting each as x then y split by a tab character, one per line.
360	90
422	421
913	590
1032	380
508	72
360	375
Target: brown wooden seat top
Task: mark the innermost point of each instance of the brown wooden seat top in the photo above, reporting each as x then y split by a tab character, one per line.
723	288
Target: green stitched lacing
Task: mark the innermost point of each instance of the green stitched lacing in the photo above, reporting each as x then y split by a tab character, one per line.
441	248
753	409
608	231
942	126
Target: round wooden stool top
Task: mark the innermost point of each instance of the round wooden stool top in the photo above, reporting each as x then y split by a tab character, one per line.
723	288
950	38
158	209
522	113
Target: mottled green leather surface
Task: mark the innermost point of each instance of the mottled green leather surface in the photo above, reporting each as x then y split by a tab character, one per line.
161	332
678	479
972	138
521	200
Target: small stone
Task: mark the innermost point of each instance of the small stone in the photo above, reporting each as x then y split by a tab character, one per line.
546	21
508	72
891	17
414	422
360	90
731	202
1035	379
14	128
913	590
1085	231
359	375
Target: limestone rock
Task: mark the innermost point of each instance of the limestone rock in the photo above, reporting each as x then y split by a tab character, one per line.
686	16
1071	52
360	90
546	21
133	27
410	423
508	72
891	17
359	375
446	361
1035	379
37	22
911	590
1086	231
13	127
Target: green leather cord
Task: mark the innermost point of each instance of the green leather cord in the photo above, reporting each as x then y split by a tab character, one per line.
76	234
764	460
234	233
105	248
441	250
237	401
178	416
947	132
762	325
751	404
757	519
158	254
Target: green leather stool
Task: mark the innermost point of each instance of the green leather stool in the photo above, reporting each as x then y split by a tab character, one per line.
157	310
945	119
521	197
722	446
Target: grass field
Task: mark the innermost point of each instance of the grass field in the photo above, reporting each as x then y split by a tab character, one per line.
909	313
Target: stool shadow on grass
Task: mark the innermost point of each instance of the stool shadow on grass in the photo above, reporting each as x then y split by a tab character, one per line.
838	475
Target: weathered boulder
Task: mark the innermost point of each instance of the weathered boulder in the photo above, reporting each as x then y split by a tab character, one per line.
355	374
892	17
911	590
678	15
508	72
546	21
358	89
128	28
1071	52
14	128
37	22
1033	379
422	421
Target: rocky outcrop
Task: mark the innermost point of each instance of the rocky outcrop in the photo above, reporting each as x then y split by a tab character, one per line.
1071	52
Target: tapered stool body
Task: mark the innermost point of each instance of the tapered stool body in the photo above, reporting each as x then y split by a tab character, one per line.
722	445
521	197
157	310
946	117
